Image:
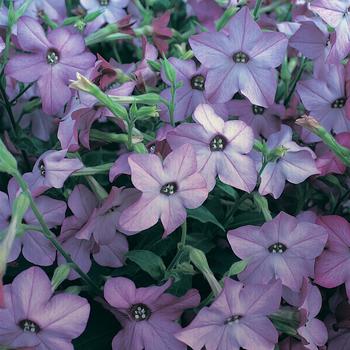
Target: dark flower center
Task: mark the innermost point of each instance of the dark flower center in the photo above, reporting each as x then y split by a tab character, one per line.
140	312
52	56
339	103
29	326
218	143
277	248
233	319
240	57
258	109
169	188
42	169
104	2
197	82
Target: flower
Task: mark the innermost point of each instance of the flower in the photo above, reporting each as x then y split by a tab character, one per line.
36	248
52	60
244	61
324	97
263	121
290	162
281	248
36	319
191	93
221	148
161	33
147	314
51	169
332	266
85	206
167	189
336	14
237	318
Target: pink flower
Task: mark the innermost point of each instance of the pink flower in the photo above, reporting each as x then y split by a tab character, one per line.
281	248
221	148
36	319
147	314
236	319
167	189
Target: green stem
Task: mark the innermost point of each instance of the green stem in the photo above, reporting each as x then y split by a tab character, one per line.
172	105
52	237
21	93
256	9
93	170
236	206
295	81
183	234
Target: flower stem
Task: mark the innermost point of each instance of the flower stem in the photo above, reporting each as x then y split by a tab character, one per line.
52	237
183	234
256	9
295	81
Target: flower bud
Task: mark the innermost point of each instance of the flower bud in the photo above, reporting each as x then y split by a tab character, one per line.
8	163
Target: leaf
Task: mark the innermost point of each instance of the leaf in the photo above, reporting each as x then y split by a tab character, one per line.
203	215
148	262
230	191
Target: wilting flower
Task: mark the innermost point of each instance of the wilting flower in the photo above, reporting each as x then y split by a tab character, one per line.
327	162
85	207
325	99
51	169
237	318
263	121
52	60
290	163
221	148
244	61
167	189
161	33
336	14
147	314
36	319
332	266
36	248
191	93
281	248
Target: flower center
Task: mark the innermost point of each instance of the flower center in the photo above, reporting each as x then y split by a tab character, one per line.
140	312
258	110
104	2
42	169
233	319
52	56
197	82
277	248
339	103
218	143
29	326
169	188
240	57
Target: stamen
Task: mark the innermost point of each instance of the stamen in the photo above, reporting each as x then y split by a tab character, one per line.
29	326
277	248
258	110
240	57
339	103
197	82
218	143
169	188
42	168
140	312
233	319
52	56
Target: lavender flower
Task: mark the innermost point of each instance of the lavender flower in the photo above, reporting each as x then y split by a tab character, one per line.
147	314
221	148
52	60
281	248
36	319
242	61
237	318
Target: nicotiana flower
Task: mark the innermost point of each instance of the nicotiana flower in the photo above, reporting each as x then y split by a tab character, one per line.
167	187
325	99
147	314
36	319
191	93
263	121
332	266
50	60
207	12
290	162
112	11
36	248
281	248
221	148
161	33
51	169
244	61
84	206
236	319
336	14
327	162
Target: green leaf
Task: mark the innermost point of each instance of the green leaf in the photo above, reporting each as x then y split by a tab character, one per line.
203	215
148	262
230	191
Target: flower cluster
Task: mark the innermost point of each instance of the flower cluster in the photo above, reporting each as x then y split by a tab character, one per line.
174	174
